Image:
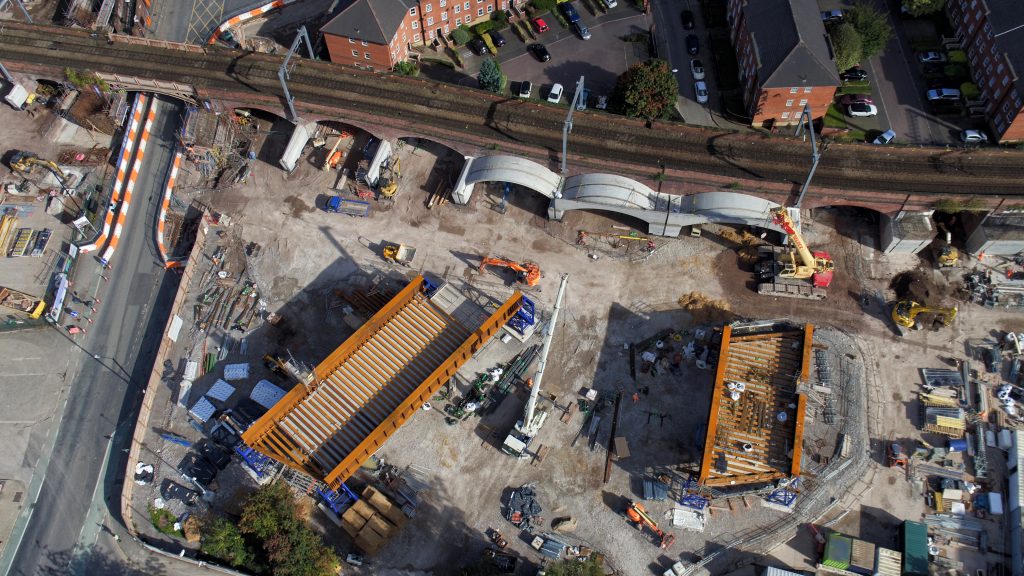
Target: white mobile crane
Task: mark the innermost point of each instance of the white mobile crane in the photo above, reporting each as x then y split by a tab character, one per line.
781	274
519	438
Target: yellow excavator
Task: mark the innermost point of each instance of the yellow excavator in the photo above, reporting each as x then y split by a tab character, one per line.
946	255
25	163
905	314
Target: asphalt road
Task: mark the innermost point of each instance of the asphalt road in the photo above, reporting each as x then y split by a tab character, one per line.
672	38
83	480
193	21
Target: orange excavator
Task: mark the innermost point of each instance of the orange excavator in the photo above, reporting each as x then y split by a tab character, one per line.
526	273
641	519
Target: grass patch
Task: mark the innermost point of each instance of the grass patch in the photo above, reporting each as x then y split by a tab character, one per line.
856	86
834	118
163	520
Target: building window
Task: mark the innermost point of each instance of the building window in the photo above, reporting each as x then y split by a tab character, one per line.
430	35
444	16
428	8
416	37
445	28
412	11
504	5
458	8
405	38
991	82
366	55
479	11
443	3
415	25
355	53
363	42
430	21
789	103
807	89
785	115
351	41
466	6
794	90
458	21
1006	80
490	8
803	102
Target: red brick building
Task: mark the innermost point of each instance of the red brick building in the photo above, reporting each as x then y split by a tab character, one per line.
785	59
378	34
991	33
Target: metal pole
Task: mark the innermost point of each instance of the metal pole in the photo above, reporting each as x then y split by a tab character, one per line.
7	75
282	72
805	115
4	3
531	404
567	127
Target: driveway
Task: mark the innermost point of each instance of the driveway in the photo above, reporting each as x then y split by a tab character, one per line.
671	37
599	60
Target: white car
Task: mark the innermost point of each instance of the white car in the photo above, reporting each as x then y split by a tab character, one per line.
697	69
973	137
701	90
885	137
931	57
525	89
555	95
861	110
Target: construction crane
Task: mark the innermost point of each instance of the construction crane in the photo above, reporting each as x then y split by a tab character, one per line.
24	163
519	438
905	314
526	273
779	271
641	519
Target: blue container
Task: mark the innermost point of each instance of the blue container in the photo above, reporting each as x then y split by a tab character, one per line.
957	445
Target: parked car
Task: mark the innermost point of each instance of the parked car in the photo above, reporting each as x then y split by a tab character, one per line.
973	137
198	469
584	97
829	16
540	25
688	21
525	89
171	490
610	3
570	12
855	99
497	38
478	47
697	69
540	52
700	89
950	94
931	57
555	94
692	45
885	137
861	110
853	74
582	30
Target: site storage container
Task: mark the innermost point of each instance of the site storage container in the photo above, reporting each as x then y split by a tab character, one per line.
862	557
888	562
837	551
914	540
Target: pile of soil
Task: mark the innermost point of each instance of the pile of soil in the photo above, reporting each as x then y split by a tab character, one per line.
705	310
918	286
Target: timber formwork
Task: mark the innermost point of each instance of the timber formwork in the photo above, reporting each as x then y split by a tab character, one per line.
376	380
757	438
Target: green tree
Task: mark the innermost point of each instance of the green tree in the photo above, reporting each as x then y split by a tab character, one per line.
573	567
269	511
873	27
647	90
922	7
847	45
462	35
291	548
224	541
407	68
490	75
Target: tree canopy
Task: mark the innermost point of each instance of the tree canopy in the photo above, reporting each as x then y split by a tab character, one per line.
923	7
847	44
647	90
222	540
873	27
489	76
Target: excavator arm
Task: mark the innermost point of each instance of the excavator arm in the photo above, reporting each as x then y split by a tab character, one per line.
528	273
905	313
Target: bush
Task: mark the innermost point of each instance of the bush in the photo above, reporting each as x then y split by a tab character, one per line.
270	516
407	68
957	57
462	35
873	27
490	76
483	27
222	540
489	42
500	20
970	91
163	520
544	5
847	44
957	72
648	90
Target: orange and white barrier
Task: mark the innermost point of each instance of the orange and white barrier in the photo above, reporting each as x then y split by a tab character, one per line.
141	101
127	199
231	23
164	205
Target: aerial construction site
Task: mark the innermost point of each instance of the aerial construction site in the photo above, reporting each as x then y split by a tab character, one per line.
480	388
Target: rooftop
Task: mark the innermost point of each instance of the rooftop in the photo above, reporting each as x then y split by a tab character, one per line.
374	21
791	44
378	378
756	421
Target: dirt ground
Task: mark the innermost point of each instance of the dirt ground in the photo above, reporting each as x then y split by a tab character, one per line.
619	294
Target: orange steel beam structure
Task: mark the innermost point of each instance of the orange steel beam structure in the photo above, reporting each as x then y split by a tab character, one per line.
716	399
801	403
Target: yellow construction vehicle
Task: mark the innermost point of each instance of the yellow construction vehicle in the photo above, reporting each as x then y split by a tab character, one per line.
781	274
390	174
25	163
946	255
905	314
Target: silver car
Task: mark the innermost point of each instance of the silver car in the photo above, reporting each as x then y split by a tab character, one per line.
701	90
697	69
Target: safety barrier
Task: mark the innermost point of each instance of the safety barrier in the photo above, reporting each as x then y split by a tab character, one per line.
247	16
165	204
126	201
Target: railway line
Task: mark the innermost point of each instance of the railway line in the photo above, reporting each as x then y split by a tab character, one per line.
428	107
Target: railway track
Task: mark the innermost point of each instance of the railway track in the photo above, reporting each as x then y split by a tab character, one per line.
473	116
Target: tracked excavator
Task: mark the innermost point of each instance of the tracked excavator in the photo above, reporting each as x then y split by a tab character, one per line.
946	255
797	273
526	273
905	314
25	163
640	519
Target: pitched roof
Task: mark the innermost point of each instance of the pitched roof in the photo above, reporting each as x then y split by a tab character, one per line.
791	46
1006	18
370	20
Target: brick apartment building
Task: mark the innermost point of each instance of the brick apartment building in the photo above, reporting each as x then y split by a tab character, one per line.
991	32
377	34
785	59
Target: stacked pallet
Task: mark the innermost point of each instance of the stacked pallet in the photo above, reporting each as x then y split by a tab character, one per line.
8	226
372	520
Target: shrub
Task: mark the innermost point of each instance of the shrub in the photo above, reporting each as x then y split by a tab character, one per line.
483	27
956	71
462	35
489	42
970	91
490	76
544	5
957	57
407	68
163	520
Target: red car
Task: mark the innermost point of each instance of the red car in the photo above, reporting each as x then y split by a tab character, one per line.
540	25
856	99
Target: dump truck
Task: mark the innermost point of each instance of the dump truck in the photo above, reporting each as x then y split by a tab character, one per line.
346	206
399	253
24	303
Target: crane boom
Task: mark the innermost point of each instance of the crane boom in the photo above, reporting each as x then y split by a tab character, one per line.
780	217
531	404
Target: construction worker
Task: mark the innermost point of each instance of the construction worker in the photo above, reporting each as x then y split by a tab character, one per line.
636	397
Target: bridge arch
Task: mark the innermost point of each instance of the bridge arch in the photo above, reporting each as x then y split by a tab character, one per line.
502	168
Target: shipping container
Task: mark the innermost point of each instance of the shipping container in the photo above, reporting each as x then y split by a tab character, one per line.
888	562
914	540
862	557
837	551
